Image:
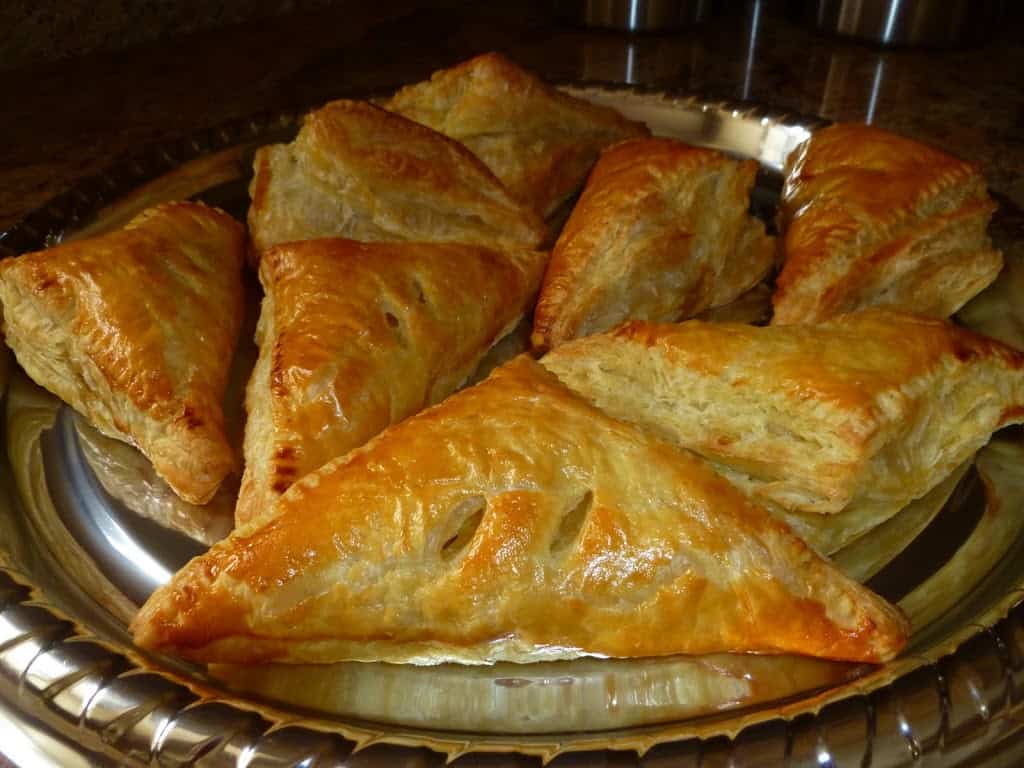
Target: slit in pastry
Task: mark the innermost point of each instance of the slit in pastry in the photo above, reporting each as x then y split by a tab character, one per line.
514	522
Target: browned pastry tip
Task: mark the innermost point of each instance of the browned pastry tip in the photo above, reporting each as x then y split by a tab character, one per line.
540	141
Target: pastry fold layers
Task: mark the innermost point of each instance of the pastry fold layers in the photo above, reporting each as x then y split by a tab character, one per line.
875	219
356	336
135	330
539	141
836	426
661	232
355	170
515	522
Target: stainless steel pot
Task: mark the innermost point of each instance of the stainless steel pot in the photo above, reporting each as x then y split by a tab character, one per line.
941	23
634	15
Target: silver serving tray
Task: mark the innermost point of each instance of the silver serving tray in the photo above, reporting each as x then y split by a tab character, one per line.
87	532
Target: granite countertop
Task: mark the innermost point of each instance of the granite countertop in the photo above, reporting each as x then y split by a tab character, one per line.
71	119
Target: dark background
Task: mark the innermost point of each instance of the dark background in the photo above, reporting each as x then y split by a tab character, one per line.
72	117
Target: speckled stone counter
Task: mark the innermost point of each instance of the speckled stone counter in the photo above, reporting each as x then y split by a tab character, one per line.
35	31
70	119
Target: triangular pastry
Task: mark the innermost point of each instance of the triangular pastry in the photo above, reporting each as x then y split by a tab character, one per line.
135	330
539	141
514	522
356	336
875	219
661	232
358	171
837	425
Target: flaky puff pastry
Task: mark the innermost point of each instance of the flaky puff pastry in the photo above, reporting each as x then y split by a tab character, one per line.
135	330
839	424
514	522
539	141
358	171
356	336
661	232
875	219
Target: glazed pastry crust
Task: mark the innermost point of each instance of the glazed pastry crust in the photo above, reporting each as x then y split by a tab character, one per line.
545	529
856	416
135	330
357	171
661	232
355	336
874	219
539	141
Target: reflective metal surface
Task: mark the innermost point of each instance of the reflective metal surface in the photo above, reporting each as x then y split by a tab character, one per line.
75	560
635	15
136	554
908	22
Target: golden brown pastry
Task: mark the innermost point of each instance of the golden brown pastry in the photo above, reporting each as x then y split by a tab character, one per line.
837	425
357	171
539	141
875	219
356	336
135	330
514	522
661	232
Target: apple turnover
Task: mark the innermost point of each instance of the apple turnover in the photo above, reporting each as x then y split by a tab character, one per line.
875	219
539	141
514	522
135	330
356	336
358	171
661	232
836	426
